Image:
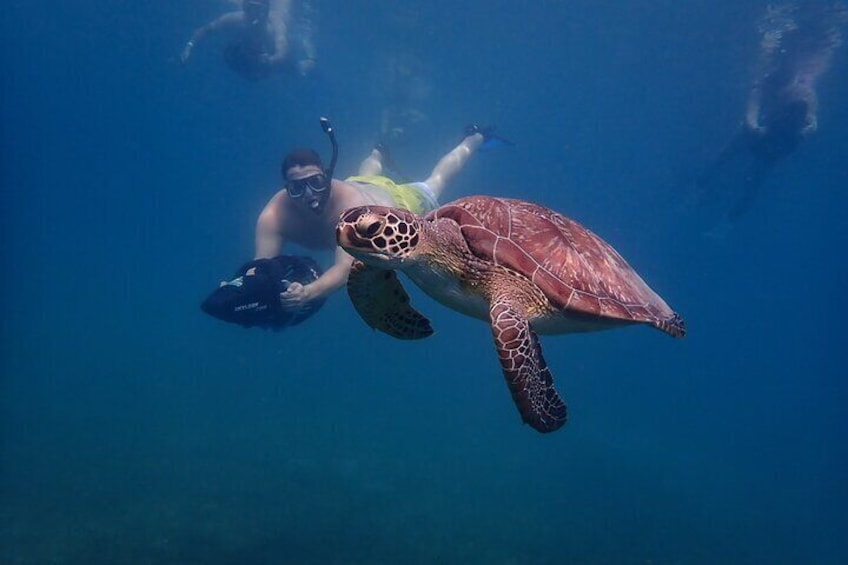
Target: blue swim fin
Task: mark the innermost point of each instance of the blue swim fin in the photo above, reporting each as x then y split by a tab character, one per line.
490	139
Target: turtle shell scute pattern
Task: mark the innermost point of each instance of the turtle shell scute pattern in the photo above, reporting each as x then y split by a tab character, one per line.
574	268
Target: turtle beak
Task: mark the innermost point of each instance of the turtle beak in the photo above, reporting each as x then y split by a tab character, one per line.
358	233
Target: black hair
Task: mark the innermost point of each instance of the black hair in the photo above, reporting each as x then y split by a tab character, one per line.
301	158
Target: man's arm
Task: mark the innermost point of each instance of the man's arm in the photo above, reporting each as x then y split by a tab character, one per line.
297	295
229	19
269	238
811	122
752	111
306	48
281	42
278	21
307	60
333	278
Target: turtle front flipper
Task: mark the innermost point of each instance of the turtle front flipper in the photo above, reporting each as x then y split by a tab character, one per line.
525	370
382	302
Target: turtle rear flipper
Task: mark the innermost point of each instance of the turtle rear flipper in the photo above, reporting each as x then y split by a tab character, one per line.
673	325
525	370
381	300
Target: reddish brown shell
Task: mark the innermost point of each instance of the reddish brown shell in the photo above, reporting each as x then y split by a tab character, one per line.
573	267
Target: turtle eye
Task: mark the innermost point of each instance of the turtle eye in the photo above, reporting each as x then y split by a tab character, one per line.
373	229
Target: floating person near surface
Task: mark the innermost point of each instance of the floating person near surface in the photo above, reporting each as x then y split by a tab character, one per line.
403	80
796	49
521	267
260	40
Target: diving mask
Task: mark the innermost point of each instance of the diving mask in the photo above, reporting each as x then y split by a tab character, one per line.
317	183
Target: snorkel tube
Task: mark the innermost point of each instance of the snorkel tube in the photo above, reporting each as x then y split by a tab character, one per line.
320	202
328	129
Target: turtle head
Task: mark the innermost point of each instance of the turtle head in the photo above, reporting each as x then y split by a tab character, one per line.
379	236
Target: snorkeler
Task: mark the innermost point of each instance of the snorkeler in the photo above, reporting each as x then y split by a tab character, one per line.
259	42
796	49
307	209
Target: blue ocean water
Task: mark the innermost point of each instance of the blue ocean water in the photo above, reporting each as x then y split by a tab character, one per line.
137	430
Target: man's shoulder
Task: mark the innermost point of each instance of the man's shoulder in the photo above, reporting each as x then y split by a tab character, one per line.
277	205
279	199
234	17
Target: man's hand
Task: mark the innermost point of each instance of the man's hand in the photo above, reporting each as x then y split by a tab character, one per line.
295	298
753	125
811	124
304	66
186	52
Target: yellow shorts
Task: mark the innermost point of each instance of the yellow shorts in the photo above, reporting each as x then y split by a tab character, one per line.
415	196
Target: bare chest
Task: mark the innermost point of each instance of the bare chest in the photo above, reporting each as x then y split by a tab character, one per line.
311	233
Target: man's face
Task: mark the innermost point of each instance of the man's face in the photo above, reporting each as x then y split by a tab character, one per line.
308	187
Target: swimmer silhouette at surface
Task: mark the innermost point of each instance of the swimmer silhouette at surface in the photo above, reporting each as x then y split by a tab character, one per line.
259	42
796	49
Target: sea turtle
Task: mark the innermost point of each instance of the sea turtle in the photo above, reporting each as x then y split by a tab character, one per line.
522	267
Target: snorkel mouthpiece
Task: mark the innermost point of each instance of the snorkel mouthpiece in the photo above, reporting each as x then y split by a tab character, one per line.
317	205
